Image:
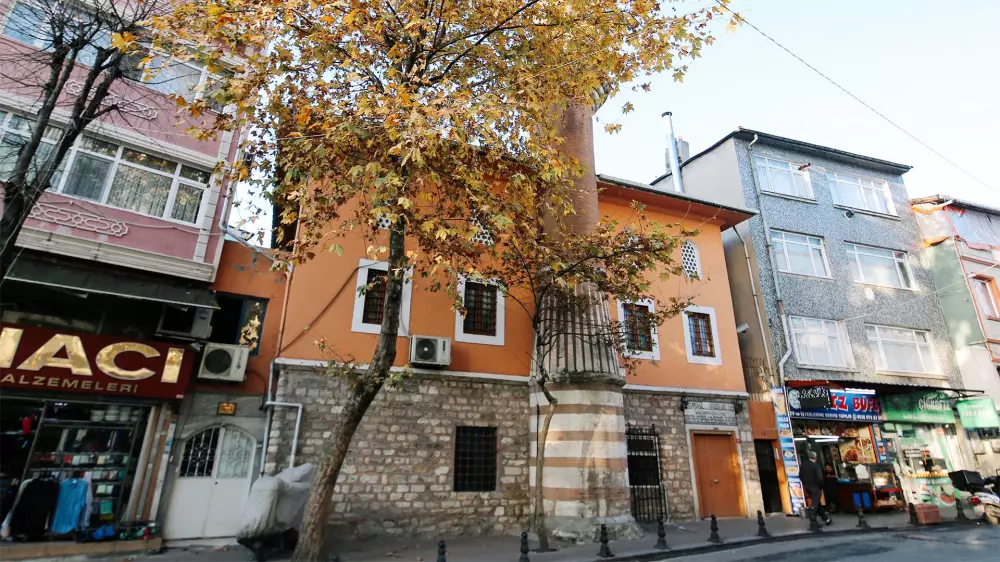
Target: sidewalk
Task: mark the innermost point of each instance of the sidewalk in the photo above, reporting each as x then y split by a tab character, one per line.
683	539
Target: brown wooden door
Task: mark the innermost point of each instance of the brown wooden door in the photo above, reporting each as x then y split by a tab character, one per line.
717	474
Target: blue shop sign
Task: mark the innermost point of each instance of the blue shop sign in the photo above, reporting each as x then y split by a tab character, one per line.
844	406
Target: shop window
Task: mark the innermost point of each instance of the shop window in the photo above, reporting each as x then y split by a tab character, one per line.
475	459
239	321
639	334
370	296
701	335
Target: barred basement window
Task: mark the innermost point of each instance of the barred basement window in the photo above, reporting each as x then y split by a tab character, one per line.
475	459
374	297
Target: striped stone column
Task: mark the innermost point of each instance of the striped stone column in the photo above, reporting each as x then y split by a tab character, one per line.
585	472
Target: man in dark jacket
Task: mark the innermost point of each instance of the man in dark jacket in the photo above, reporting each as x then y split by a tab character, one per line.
812	480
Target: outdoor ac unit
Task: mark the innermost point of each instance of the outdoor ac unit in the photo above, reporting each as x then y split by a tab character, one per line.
185	322
222	362
429	350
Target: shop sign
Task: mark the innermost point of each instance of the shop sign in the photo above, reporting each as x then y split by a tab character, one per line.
710	413
813	397
846	406
786	440
978	412
919	407
61	361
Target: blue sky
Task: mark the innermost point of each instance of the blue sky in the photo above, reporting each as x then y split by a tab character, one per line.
932	67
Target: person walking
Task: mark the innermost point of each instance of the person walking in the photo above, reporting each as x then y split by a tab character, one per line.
812	480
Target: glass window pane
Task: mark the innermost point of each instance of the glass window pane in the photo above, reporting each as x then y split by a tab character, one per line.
194	174
871	332
99	146
187	203
902	357
850	195
799	259
801	185
26	24
779	164
10	147
781	182
817	347
818	263
876	355
171	77
855	270
779	252
904	275
140	191
880	271
87	177
149	161
836	352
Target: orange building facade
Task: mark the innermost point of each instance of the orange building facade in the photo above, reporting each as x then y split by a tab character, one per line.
450	450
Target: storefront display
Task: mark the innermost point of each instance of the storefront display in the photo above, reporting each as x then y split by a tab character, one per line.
76	413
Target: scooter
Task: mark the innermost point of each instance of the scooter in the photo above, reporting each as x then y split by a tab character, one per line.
984	501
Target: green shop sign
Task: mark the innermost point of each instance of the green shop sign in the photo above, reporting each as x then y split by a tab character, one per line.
978	412
919	407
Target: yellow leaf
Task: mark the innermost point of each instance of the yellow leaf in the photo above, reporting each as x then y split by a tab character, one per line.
122	41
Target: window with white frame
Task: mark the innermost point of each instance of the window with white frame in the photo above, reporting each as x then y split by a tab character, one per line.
483	320
701	336
15	130
778	176
985	289
820	343
29	24
800	254
638	331
878	266
901	349
690	261
369	298
861	193
186	79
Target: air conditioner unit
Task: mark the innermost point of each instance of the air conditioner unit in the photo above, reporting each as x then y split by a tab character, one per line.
223	362
185	322
429	350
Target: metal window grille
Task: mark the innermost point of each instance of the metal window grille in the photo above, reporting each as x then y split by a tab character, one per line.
384	223
638	329
480	309
374	297
198	459
482	236
475	459
689	259
700	325
649	498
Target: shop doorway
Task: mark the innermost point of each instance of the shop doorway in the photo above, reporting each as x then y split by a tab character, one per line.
767	466
213	480
717	475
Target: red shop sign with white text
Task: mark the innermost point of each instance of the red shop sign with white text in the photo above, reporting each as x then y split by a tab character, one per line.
63	361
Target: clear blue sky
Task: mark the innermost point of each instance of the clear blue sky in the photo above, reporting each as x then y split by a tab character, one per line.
932	67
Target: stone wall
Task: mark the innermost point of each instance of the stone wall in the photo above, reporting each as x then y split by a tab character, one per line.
398	477
665	412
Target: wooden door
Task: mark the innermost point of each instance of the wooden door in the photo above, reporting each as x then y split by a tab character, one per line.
717	475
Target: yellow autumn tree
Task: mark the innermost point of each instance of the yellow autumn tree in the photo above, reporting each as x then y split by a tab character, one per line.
436	118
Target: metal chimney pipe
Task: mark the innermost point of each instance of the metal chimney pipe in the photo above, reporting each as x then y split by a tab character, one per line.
673	161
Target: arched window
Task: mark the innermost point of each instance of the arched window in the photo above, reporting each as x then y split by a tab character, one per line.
690	261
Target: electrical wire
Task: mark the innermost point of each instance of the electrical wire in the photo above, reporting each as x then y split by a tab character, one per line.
859	100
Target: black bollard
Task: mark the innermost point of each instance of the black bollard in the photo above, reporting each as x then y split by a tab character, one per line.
605	550
441	552
913	515
961	517
714	536
761	526
814	526
524	548
862	522
661	535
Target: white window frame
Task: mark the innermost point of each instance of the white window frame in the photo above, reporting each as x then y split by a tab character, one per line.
854	251
699	359
784	252
117	160
835	179
460	335
984	289
882	365
361	276
697	259
654	336
763	165
838	328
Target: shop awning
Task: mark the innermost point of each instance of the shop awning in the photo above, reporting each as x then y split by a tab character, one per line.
28	269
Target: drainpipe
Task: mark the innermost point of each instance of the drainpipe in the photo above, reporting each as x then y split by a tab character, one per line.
756	305
774	272
673	159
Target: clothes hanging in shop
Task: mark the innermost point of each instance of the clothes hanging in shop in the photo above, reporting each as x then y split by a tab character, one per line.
71	506
34	508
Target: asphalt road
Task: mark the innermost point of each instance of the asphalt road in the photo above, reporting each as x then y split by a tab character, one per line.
956	544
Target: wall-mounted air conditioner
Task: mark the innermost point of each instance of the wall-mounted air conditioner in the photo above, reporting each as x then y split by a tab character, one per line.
223	362
430	350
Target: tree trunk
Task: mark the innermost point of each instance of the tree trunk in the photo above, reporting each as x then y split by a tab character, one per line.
541	527
15	210
311	546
